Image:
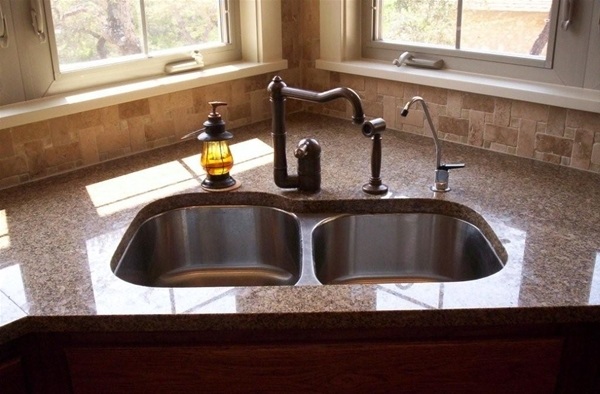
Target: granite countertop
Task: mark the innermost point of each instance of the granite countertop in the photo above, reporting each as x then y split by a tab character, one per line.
60	234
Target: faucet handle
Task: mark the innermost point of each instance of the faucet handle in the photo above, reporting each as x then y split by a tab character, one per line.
442	176
454	166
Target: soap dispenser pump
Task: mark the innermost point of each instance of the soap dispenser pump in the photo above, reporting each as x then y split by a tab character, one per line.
216	158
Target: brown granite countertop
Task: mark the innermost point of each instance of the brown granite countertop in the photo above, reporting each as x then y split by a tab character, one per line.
60	234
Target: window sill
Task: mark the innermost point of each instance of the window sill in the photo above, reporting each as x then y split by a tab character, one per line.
541	93
66	104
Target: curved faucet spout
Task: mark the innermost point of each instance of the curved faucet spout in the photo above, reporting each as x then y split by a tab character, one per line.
358	116
441	170
309	179
436	141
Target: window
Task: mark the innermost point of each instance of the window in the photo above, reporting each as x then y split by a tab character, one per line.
526	39
513	29
95	33
76	44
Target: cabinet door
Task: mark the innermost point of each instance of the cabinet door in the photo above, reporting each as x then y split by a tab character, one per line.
495	366
12	378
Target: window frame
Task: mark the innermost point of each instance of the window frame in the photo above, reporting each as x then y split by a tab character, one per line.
261	52
138	66
374	46
341	51
558	69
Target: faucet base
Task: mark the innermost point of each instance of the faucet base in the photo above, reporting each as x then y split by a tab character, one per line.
375	187
434	188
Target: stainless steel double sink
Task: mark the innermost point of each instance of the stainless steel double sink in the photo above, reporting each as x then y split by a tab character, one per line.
250	245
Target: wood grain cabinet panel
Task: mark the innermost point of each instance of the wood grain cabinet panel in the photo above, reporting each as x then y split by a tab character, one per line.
466	366
12	377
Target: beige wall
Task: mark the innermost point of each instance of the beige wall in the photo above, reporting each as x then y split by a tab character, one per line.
41	149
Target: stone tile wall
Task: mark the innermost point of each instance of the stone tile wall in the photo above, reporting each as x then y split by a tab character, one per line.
41	149
551	134
45	148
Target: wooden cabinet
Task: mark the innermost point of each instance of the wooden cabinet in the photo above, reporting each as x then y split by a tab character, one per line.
495	366
12	376
531	359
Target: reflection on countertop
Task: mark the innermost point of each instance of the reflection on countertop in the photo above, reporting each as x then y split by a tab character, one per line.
57	238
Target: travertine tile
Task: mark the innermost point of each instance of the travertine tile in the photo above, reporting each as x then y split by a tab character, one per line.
454	104
582	119
34	152
526	139
582	149
498	147
169	102
240	111
12	166
6	144
370	92
569	132
390	111
501	135
37	131
476	128
555	145
155	131
88	147
410	90
134	108
62	131
111	138
502	112
596	154
547	157
87	119
62	154
373	109
355	82
135	129
218	92
478	102
526	110
390	88
185	120
260	106
434	95
454	126
414	118
556	121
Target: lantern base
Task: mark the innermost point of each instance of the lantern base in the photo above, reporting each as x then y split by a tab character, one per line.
219	183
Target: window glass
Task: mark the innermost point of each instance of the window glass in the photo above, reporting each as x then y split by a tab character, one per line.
97	32
504	27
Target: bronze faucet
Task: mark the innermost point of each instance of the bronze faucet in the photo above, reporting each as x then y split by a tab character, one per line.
308	151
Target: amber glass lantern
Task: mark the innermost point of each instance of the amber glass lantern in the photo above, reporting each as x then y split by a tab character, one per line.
216	158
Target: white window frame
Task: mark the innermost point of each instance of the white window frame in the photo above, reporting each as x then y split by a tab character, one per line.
261	52
572	82
373	47
139	66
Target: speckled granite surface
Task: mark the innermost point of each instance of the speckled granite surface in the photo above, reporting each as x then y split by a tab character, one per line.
59	236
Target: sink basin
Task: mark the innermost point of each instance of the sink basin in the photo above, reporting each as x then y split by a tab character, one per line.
400	247
214	246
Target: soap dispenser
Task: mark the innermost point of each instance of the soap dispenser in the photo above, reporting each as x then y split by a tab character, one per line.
216	158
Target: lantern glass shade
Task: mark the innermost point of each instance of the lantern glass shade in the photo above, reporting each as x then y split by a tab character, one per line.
216	157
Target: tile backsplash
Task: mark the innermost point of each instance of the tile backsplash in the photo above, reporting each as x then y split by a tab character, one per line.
552	134
557	135
45	148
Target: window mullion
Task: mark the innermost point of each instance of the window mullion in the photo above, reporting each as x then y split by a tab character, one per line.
459	11
376	16
144	28
224	21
